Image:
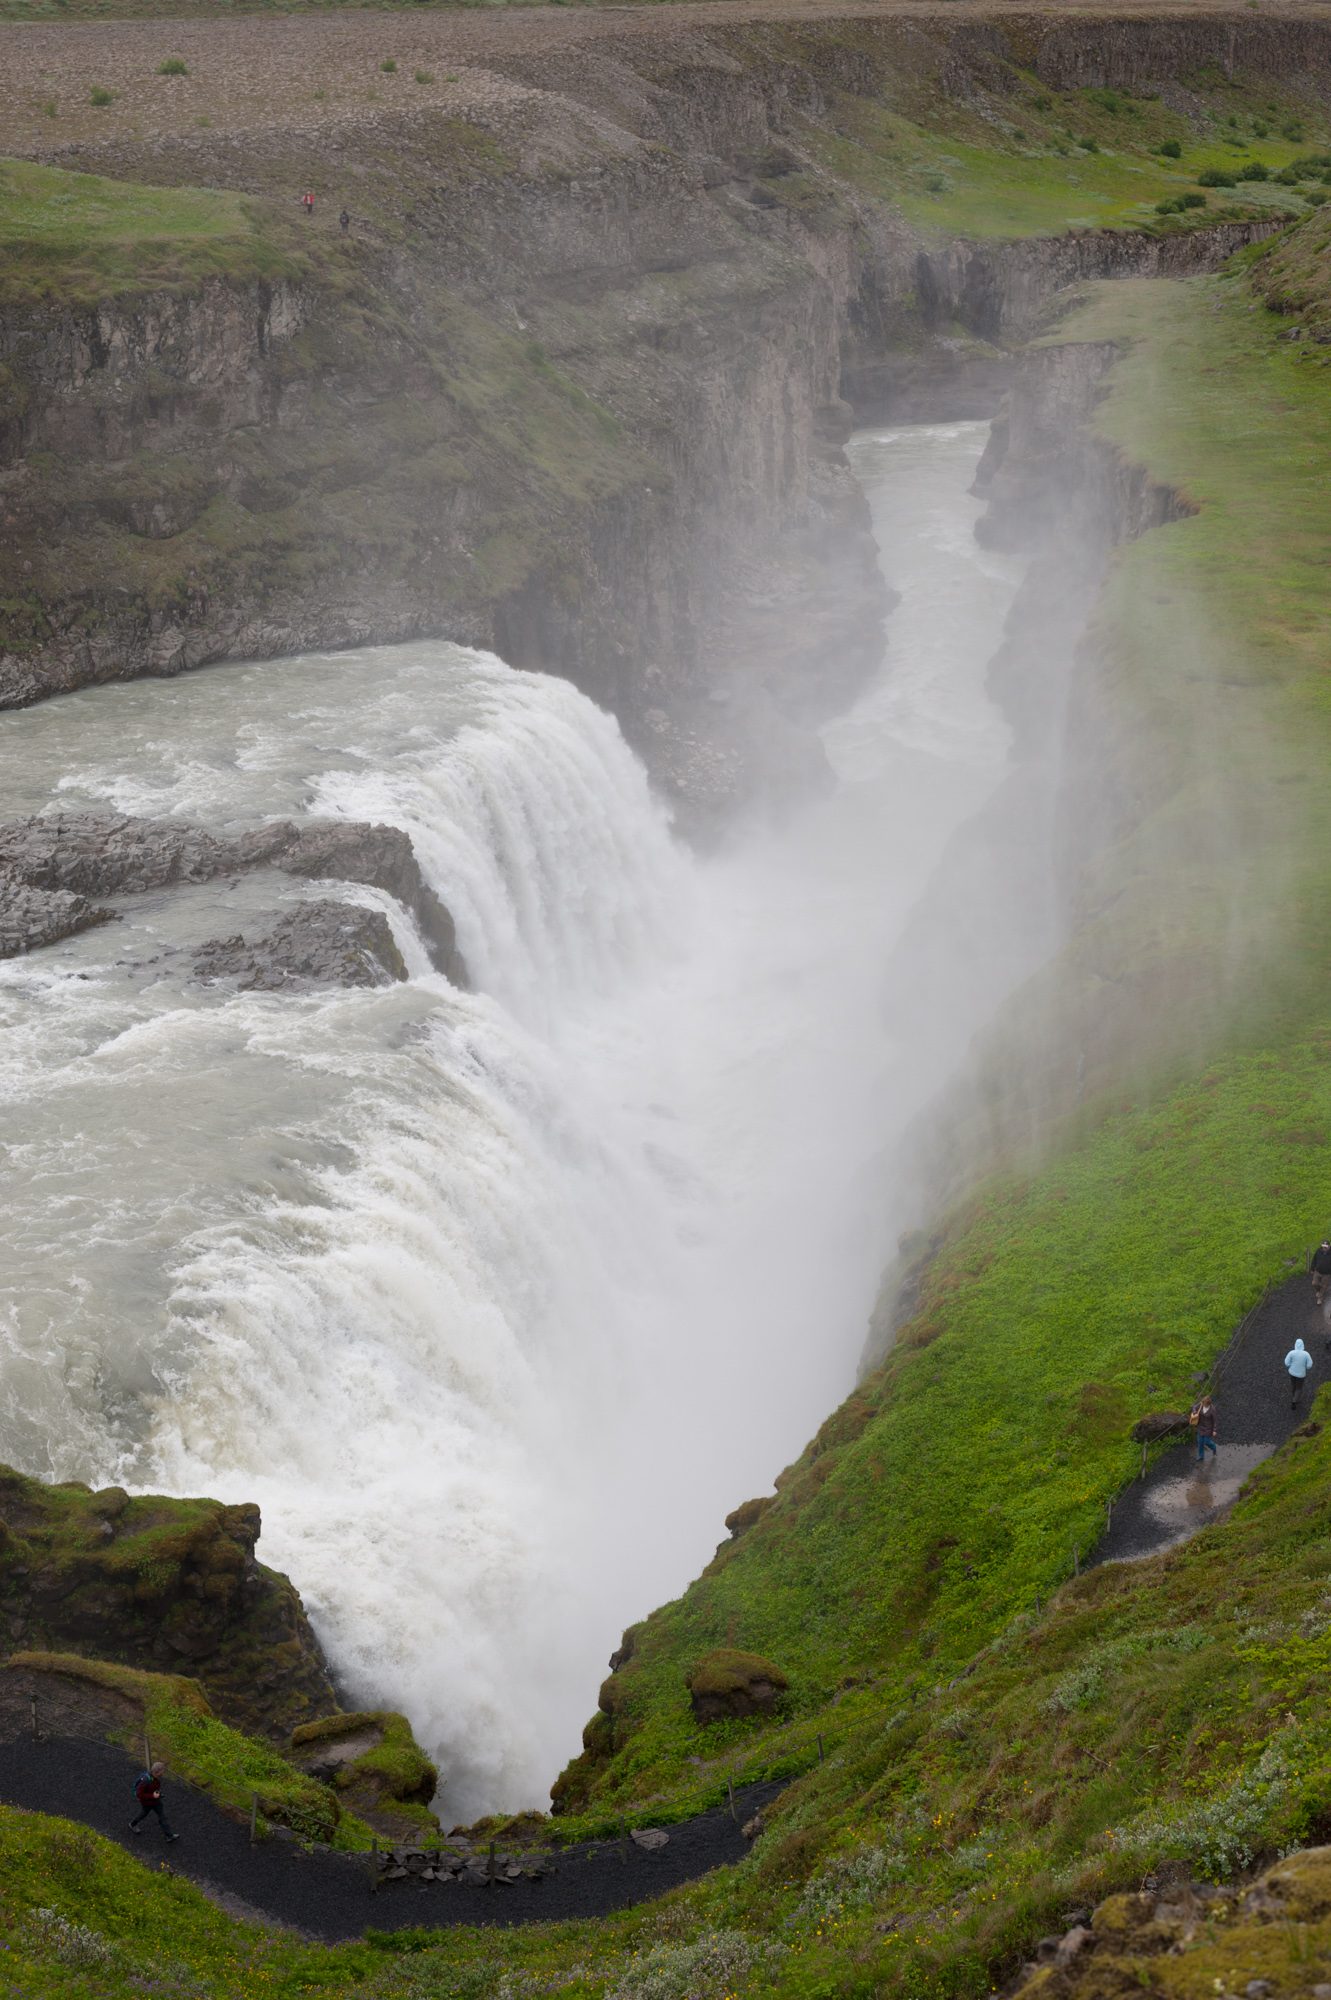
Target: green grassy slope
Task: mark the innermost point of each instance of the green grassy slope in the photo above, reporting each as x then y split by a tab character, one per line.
79	238
1173	1709
1069	164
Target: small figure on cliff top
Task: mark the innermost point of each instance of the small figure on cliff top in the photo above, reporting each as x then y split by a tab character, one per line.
307	202
1298	1363
148	1792
344	221
1320	1266
1205	1423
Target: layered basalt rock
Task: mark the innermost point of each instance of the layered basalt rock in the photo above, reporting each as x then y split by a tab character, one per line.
315	944
52	866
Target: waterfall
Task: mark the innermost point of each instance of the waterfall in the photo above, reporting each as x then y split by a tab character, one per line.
496	1302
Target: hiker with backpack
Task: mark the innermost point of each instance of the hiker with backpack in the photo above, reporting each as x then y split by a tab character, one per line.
148	1792
1204	1424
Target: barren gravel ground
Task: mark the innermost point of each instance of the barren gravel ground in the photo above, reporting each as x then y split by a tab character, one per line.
307	71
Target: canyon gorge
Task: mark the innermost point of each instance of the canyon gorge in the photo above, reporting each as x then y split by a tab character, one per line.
662	820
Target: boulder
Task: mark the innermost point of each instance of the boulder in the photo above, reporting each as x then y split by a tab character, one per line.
728	1683
315	944
30	918
115	854
373	1762
747	1513
1159	1424
650	1838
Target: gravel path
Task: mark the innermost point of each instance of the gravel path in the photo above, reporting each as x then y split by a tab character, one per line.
1252	1398
328	1896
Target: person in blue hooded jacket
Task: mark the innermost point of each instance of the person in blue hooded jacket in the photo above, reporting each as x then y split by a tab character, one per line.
1298	1363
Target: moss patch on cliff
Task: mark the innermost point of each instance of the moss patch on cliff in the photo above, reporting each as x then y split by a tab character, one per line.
154	1583
78	238
373	1762
1215	632
963	176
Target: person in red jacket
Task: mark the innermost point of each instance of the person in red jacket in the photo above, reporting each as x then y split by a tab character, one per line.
148	1792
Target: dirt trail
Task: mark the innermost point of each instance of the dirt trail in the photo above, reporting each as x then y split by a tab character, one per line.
308	72
328	1896
1252	1397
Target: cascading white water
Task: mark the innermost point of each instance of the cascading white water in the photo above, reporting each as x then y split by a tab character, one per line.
496	1302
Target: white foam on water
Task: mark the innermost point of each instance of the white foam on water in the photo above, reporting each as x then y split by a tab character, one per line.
495	1301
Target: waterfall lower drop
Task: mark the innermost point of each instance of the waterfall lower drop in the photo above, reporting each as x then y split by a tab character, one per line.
496	1302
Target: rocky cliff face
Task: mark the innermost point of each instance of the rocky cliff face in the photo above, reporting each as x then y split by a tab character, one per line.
172	1586
574	389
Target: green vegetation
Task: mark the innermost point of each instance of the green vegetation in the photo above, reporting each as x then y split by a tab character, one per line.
376	1767
81	238
1293	275
1170	1709
173	66
101	97
978	1739
1089	158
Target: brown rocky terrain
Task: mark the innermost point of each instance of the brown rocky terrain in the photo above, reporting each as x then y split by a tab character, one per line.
573	387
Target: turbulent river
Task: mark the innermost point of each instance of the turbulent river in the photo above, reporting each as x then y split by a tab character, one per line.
498	1301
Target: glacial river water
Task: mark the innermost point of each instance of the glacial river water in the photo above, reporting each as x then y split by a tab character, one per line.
497	1301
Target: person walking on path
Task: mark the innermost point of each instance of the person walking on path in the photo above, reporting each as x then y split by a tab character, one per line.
1298	1363
344	223
1320	1266
307	202
148	1792
1204	1422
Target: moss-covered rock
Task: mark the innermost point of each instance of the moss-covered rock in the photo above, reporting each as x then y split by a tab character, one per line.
375	1765
155	1583
1187	1938
726	1683
747	1513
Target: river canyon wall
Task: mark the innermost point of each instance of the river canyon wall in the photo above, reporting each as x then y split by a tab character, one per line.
575	388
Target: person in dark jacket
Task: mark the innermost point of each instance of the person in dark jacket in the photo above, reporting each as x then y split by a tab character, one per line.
1320	1266
1206	1425
344	223
148	1792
